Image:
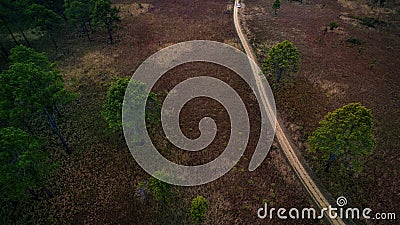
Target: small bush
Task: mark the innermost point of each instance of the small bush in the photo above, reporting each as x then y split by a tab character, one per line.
198	209
160	190
333	25
354	41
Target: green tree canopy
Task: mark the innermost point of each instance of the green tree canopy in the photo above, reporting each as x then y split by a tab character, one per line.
80	12
282	58
23	166
160	190
345	134
24	55
46	19
32	88
112	108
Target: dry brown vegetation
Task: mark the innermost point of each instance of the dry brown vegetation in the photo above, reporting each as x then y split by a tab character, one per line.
333	72
97	183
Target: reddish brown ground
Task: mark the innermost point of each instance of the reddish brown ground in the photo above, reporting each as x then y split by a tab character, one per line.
97	183
334	73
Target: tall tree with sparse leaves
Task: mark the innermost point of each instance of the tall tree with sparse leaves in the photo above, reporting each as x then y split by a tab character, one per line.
32	88
24	167
282	58
346	136
80	12
45	19
112	108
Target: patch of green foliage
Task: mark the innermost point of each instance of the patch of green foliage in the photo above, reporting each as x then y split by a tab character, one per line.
276	5
282	58
32	88
160	190
112	108
333	25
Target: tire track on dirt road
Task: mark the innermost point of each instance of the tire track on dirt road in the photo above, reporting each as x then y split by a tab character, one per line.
313	190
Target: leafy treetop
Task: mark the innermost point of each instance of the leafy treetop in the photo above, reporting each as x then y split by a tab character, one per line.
346	133
283	57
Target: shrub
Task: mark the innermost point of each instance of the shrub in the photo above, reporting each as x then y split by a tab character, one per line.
354	41
369	21
160	190
198	209
333	25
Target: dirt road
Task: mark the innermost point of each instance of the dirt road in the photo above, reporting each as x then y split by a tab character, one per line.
308	183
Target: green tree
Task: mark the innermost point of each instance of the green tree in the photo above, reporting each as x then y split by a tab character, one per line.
112	108
282	58
346	135
276	5
46	19
198	209
106	16
23	166
12	14
32	88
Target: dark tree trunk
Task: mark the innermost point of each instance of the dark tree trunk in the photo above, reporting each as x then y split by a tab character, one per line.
279	76
86	31
11	33
52	40
64	16
34	195
24	36
51	120
330	161
4	53
110	34
64	143
90	24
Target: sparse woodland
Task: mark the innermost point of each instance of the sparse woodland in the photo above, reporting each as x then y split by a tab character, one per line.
65	65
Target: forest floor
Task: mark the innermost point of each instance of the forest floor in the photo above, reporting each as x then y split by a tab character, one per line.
98	183
333	72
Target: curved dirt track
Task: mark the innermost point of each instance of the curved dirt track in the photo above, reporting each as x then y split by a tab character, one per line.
313	190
